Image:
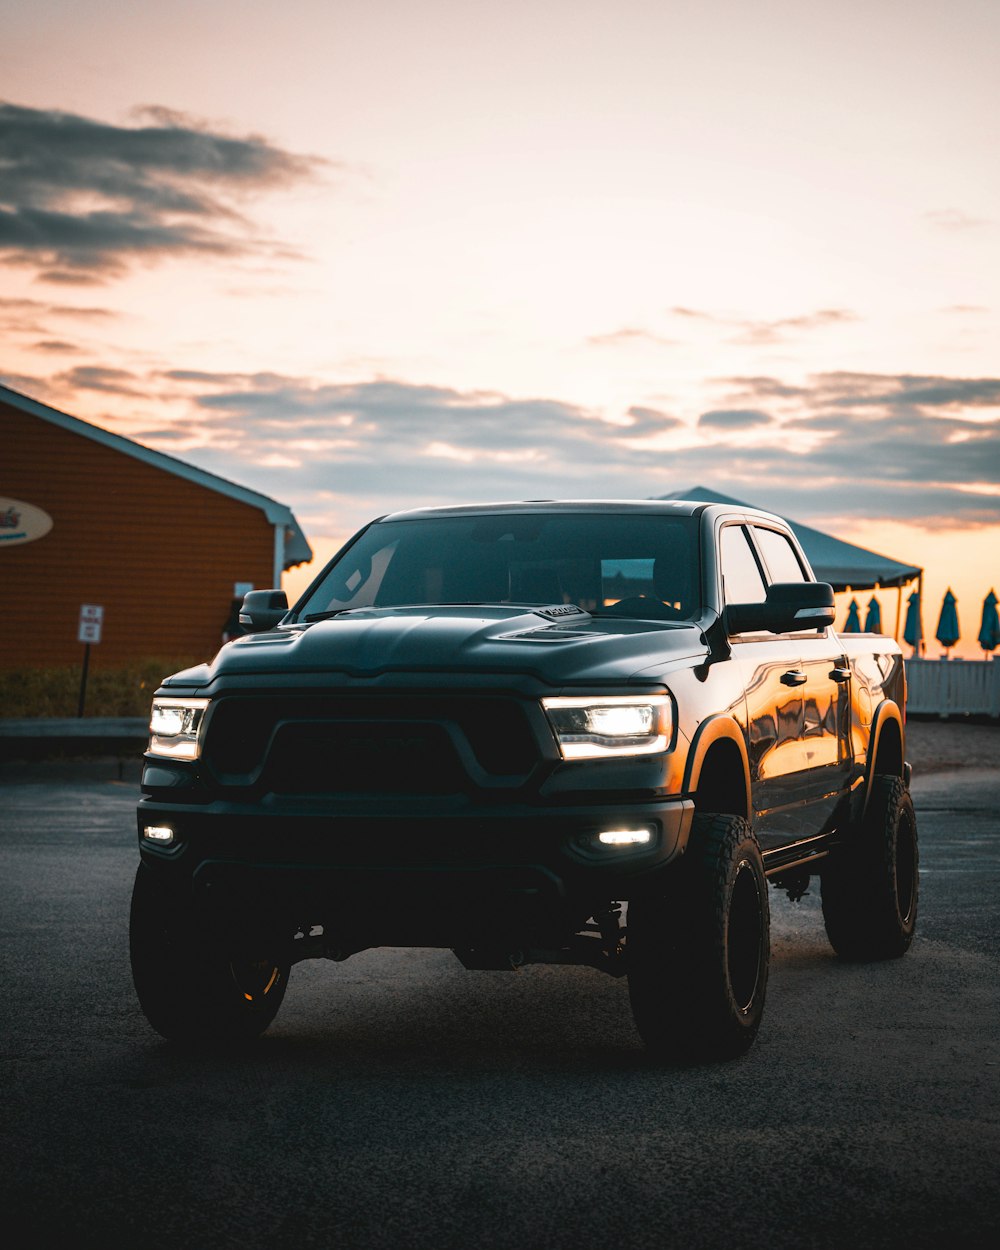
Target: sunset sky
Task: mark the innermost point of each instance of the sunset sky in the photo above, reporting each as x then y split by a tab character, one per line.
369	254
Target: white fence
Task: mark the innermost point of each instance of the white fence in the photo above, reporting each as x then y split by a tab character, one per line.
953	687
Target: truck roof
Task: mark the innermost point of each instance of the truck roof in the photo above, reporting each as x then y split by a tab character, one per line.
671	507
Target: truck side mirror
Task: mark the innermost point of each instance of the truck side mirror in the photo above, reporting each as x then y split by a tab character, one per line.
789	607
262	609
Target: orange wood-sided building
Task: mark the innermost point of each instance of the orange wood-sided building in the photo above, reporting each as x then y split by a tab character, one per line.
90	517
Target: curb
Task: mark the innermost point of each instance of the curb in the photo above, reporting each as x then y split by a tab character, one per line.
43	737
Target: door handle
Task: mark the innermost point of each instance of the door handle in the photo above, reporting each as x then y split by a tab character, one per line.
794	677
840	675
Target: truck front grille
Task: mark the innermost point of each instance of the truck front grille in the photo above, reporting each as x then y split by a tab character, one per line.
403	744
362	758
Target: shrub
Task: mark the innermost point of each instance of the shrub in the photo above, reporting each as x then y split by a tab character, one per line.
31	692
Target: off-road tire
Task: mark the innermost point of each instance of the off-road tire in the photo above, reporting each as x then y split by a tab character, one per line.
870	884
190	987
698	951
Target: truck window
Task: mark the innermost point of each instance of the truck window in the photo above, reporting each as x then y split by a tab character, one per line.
622	578
779	556
640	565
742	581
356	580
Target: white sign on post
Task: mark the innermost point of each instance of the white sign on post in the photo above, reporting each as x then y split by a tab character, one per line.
91	620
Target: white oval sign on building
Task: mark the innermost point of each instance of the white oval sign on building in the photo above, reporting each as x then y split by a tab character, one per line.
21	522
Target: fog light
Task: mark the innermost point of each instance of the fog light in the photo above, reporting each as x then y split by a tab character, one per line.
625	837
158	833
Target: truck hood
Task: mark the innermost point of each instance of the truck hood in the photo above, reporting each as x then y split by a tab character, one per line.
458	639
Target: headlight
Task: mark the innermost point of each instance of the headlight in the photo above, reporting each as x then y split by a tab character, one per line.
174	727
602	725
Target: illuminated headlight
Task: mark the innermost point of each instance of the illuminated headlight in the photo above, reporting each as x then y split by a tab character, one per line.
174	727
599	726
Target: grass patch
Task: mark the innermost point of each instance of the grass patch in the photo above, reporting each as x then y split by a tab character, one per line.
31	692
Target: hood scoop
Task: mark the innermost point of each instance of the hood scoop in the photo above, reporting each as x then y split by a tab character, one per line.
565	618
549	633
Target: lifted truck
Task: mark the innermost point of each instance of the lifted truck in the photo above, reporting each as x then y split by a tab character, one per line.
584	732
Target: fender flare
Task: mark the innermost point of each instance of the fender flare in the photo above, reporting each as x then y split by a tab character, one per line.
886	711
716	729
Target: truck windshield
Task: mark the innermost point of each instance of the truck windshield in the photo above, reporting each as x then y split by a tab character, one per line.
638	565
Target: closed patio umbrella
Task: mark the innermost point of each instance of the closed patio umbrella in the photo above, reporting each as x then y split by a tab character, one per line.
913	630
947	630
853	623
989	631
873	617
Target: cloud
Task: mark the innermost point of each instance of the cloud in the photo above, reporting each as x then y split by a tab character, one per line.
954	219
921	392
887	446
837	444
167	435
200	375
629	337
57	346
31	316
101	378
765	333
694	314
83	200
751	332
877	445
733	419
35	387
754	332
411	416
650	421
762	388
889	392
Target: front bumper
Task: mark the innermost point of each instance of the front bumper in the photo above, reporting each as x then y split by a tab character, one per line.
513	872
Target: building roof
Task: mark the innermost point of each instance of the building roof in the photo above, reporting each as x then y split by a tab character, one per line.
841	564
296	547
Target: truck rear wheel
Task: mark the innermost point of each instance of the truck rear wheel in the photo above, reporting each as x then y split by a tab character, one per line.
869	886
698	952
190	987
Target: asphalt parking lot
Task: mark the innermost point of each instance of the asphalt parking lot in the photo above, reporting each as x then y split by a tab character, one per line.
399	1101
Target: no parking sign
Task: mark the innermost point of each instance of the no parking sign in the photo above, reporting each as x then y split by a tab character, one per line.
88	631
91	620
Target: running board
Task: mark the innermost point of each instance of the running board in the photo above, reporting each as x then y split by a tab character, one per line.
799	854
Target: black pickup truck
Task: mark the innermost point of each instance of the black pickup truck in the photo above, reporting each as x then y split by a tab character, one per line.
583	732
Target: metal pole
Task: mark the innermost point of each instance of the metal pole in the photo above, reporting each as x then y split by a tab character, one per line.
279	554
83	678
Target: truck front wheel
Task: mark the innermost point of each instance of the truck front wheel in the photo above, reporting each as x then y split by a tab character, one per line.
869	885
190	987
698	951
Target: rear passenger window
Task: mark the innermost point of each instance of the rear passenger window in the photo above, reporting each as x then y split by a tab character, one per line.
741	577
779	556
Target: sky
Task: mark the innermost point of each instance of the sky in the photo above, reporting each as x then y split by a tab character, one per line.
363	255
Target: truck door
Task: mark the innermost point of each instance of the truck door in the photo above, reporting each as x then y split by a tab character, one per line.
826	760
774	705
